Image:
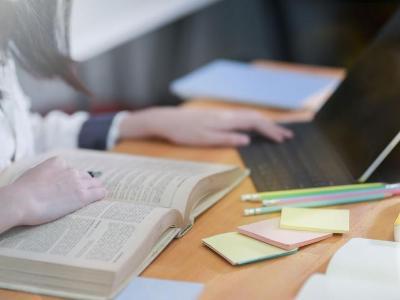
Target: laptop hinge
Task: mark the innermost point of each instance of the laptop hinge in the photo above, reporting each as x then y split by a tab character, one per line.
380	158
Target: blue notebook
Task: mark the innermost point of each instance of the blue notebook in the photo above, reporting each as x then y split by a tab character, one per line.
240	82
142	288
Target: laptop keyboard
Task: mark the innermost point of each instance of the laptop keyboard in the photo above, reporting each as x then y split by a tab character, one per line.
304	161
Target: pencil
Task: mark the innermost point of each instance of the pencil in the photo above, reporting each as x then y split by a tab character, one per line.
270	209
326	197
258	197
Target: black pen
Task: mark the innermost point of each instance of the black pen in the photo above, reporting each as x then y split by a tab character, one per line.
94	174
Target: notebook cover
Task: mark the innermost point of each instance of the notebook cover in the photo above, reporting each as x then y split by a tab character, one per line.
244	83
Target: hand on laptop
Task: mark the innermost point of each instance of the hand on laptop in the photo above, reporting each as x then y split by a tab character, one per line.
201	127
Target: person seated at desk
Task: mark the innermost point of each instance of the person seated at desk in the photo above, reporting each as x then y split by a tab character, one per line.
35	34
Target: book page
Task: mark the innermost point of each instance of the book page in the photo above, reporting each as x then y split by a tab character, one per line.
145	180
136	179
142	180
214	188
102	236
368	260
320	286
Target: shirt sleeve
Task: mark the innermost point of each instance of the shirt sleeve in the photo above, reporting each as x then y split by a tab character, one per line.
79	130
100	132
57	130
114	134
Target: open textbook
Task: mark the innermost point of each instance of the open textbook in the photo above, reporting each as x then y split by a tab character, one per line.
361	269
94	252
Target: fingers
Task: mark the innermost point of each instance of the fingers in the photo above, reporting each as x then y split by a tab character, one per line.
88	189
56	161
252	120
84	175
273	131
221	138
90	182
92	194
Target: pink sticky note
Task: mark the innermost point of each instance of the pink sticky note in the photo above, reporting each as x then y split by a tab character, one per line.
268	231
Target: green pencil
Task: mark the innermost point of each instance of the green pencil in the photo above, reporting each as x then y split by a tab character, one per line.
270	209
258	197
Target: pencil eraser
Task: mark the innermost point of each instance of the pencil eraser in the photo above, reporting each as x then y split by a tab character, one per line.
249	197
248	211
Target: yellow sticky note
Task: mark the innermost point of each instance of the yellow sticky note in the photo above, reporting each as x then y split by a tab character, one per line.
397	222
239	249
397	229
313	219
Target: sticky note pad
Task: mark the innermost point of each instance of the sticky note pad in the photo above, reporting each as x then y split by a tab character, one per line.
397	221
239	249
313	219
397	229
268	231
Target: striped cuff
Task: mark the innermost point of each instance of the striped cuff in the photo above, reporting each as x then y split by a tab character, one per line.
94	132
113	133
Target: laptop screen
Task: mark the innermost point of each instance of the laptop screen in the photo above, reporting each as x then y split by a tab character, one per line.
362	117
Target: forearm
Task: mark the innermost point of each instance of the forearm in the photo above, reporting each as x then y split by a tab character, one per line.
10	213
144	123
200	127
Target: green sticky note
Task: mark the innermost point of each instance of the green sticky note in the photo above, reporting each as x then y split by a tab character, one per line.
313	219
239	249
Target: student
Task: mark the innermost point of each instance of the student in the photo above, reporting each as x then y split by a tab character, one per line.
34	33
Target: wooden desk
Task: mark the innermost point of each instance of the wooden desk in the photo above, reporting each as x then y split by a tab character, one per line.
187	259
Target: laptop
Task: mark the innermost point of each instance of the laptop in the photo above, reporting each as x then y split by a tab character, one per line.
353	134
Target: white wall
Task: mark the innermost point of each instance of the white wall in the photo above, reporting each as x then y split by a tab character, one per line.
99	25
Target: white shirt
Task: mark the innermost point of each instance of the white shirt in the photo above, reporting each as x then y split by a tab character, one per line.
24	134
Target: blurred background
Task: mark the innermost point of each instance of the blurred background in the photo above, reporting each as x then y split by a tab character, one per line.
156	41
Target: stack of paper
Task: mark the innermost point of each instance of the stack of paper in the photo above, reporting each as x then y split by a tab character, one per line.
269	232
239	249
361	269
312	219
277	237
